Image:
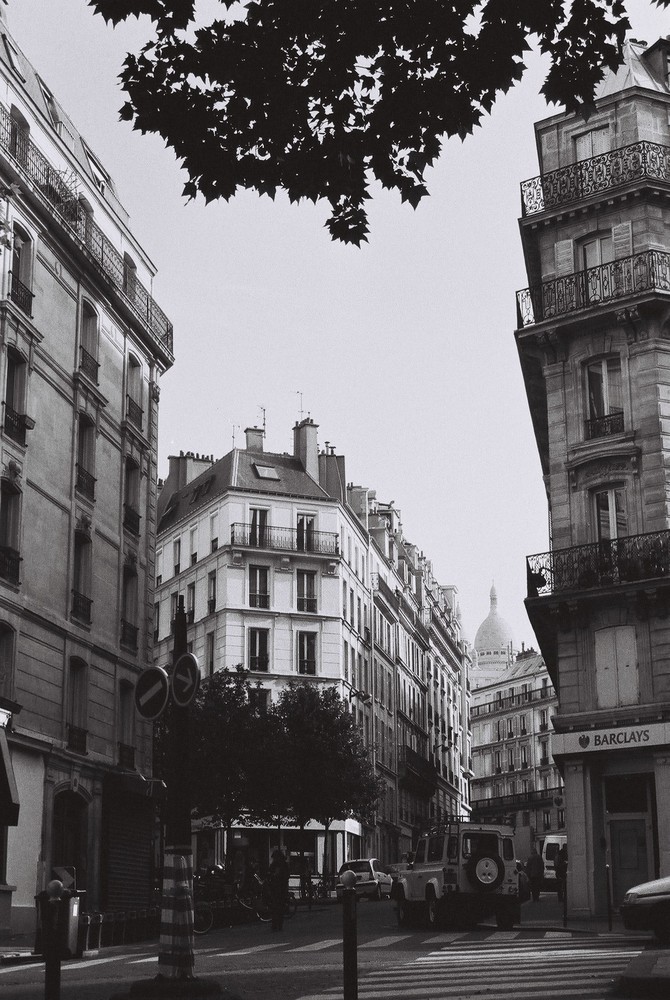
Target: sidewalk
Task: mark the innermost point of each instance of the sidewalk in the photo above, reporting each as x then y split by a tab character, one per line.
16	948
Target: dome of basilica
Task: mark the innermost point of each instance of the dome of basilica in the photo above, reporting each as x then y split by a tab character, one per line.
494	636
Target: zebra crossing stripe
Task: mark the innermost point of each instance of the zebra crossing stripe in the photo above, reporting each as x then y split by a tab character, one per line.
385	942
318	945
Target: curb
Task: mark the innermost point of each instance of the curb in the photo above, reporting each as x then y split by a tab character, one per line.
641	980
16	957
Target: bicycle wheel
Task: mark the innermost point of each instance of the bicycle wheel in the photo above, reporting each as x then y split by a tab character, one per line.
291	905
263	911
247	902
203	918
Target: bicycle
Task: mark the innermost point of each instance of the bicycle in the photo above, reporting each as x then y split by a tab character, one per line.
203	918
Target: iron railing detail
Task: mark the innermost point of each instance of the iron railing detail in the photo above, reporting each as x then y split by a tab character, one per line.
648	270
131	518
15	426
284	539
77	739
65	203
129	633
21	295
603	172
307	604
85	482
134	412
10	563
88	364
81	607
599	427
600	564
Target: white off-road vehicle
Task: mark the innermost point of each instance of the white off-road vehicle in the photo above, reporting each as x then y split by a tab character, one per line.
461	874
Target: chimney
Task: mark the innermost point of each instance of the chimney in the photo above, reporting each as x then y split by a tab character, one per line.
186	467
305	446
254	437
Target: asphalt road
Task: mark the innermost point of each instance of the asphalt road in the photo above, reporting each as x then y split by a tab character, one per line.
305	961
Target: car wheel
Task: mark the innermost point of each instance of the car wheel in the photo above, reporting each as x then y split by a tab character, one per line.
404	910
433	915
485	871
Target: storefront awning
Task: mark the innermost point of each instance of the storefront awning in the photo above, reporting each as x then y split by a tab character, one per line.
9	796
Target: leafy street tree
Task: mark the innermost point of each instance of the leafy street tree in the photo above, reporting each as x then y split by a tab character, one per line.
321	98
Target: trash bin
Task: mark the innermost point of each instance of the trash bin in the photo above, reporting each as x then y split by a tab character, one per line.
70	913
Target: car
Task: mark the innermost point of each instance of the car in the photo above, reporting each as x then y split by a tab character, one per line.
553	842
646	907
371	878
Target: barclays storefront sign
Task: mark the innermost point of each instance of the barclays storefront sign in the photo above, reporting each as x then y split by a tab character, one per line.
613	738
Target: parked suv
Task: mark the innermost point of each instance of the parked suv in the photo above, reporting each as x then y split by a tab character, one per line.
460	875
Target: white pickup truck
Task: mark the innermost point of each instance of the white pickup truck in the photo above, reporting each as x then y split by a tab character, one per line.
460	875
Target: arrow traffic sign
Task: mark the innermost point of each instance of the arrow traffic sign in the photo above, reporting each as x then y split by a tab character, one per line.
185	679
151	692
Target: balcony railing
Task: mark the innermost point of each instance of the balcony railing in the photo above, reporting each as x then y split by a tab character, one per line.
307	604
599	427
77	739
129	634
81	607
65	203
600	564
134	412
15	425
88	364
520	800
131	518
646	271
284	539
10	563
85	482
21	295
603	172
307	666
259	662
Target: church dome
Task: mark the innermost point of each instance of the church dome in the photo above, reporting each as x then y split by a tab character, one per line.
494	634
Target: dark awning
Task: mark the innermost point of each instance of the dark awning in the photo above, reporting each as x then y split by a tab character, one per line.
9	796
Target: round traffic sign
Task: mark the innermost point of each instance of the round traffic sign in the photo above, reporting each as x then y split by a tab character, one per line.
185	679
151	692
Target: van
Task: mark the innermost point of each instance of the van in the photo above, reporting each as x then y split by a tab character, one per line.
553	842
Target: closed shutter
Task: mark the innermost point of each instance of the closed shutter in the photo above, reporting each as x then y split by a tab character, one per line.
606	683
564	257
617	680
622	237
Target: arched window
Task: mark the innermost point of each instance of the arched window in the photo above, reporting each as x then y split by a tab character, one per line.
6	660
134	396
86	456
77	705
15	397
22	266
131	507
88	362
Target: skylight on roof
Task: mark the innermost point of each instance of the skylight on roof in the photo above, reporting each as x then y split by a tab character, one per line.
266	471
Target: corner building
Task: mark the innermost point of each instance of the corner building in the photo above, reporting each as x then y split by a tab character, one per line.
594	342
82	348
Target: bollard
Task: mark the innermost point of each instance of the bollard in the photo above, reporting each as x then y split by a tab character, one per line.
51	918
349	937
609	897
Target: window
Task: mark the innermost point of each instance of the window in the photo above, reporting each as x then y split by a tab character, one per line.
544	752
258	527
522	725
259	658
134	410
86	456
157	620
19	134
22	264
544	720
497	759
193	536
6	661
174	605
305	534
15	423
88	351
190	603
591	143
259	596
100	175
610	510
344	599
77	713
81	578
546	819
617	681
605	398
129	630
131	506
560	817
524	757
214	532
126	727
176	555
211	592
10	510
259	700
210	653
307	652
306	591
129	272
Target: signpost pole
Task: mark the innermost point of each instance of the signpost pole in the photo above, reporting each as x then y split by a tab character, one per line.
175	957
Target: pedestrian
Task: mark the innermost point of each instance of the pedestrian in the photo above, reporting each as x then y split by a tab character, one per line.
561	866
535	872
278	886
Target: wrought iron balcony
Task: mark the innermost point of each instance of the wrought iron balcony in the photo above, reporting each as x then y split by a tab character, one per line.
131	518
81	607
521	800
599	427
85	482
88	364
416	772
619	279
77	739
15	425
600	564
129	633
10	563
284	539
307	666
65	203
259	663
134	412
307	604
21	295
603	172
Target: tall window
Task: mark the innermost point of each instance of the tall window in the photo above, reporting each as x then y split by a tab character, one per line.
193	536
605	397
81	577
15	397
305	536
88	361
126	728
307	652
157	620
610	512
129	276
209	654
597	250
259	700
129	595
176	555
306	590
214	532
190	603
259	596
617	681
86	456
211	592
19	130
131	510
6	661
259	658
77	714
591	143
10	510
258	529
22	264
134	396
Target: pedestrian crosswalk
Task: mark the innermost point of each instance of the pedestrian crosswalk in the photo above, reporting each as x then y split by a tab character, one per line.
515	968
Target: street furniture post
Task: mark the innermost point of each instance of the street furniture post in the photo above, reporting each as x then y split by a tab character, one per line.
51	903
349	937
609	897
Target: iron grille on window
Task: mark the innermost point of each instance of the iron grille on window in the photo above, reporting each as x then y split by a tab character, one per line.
259	662
85	482
15	425
77	739
81	607
135	412
307	666
88	364
307	604
10	562
21	295
599	427
259	600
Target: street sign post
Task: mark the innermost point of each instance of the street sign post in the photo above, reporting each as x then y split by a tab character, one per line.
185	679
151	692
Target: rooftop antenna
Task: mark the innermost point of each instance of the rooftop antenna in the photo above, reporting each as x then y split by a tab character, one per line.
299	393
262	409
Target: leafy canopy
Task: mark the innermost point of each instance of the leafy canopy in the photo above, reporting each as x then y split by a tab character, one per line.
321	98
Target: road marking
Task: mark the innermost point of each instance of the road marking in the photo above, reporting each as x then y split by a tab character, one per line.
250	951
19	965
384	942
319	945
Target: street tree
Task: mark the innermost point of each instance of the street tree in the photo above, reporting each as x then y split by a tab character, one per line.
324	98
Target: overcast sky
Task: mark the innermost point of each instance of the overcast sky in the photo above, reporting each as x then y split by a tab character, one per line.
402	351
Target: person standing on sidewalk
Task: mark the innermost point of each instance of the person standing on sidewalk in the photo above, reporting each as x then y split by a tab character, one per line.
535	872
561	866
278	882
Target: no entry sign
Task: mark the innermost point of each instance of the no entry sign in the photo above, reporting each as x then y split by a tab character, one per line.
151	692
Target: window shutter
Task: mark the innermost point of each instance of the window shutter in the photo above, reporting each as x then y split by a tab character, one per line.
600	140
606	679
564	257
626	661
622	237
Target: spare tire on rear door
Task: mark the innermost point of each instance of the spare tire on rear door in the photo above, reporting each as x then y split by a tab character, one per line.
485	871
